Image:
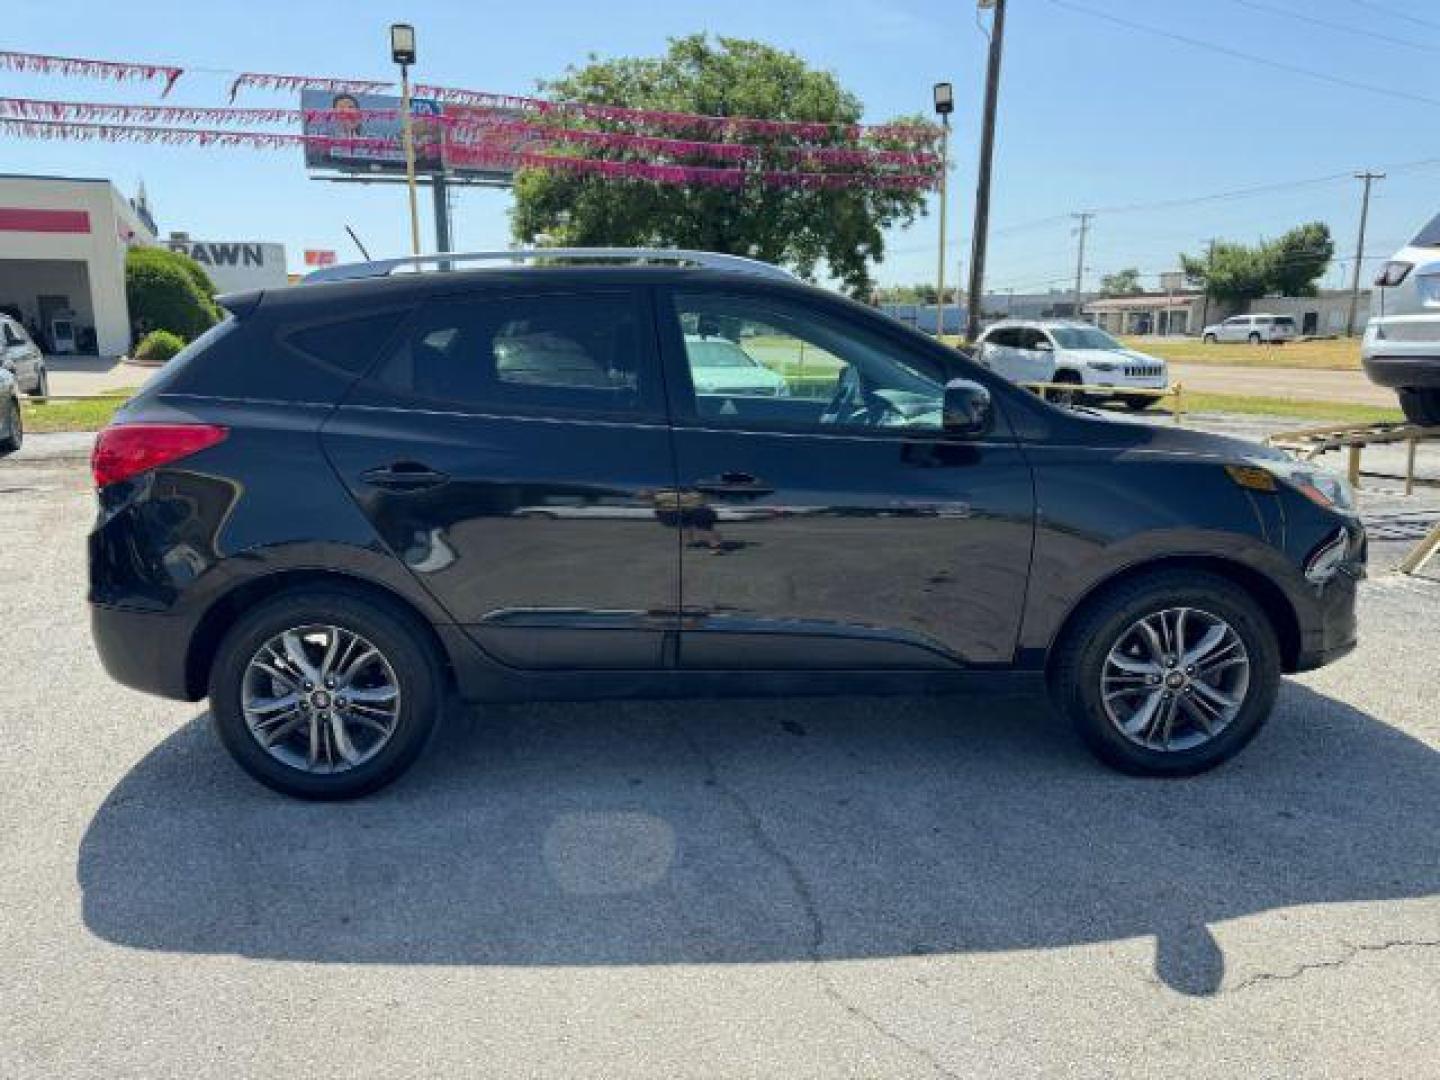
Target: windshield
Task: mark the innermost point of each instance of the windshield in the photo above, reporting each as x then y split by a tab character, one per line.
716	353
1070	337
1429	235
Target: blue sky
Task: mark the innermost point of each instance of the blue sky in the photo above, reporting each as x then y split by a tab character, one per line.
1093	114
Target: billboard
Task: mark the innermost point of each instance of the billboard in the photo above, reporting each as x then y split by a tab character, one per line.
352	116
353	120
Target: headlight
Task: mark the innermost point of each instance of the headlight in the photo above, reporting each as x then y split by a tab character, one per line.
1320	486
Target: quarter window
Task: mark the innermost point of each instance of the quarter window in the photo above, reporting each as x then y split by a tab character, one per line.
557	353
769	362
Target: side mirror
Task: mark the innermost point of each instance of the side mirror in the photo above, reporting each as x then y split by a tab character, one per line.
967	408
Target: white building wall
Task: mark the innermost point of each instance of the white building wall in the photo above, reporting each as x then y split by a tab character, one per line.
112	227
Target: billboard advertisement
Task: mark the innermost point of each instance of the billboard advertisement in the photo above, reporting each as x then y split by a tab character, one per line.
235	265
442	132
353	119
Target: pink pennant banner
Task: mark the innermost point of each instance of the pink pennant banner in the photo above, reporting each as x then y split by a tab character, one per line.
115	70
265	80
468	154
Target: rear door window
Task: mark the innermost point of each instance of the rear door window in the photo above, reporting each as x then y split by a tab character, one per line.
566	354
1429	236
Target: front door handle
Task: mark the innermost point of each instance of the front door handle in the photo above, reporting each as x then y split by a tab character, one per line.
734	484
404	476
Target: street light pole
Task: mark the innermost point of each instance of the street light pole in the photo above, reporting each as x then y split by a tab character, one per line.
976	293
402	51
944	106
1368	177
1084	219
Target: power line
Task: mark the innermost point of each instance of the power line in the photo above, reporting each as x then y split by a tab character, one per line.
1225	50
1258	5
1371	6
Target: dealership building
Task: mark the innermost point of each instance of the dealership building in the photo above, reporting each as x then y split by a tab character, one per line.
62	260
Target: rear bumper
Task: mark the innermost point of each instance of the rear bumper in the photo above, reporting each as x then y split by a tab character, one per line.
1419	371
144	650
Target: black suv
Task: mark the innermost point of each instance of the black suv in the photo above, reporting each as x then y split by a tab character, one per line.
354	498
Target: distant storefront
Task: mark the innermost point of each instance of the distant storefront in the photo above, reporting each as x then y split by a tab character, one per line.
235	265
62	260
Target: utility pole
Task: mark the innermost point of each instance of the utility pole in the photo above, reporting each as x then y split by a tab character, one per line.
1084	218
976	298
1205	296
1367	177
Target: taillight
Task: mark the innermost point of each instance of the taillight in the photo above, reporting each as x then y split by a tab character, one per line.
123	450
1393	273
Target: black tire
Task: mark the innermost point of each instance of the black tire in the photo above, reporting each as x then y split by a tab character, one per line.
1209	339
1421	406
1254	339
398	636
1138	402
42	385
1079	661
1059	396
14	428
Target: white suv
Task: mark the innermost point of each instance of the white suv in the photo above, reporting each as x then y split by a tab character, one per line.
1269	329
1073	354
1402	339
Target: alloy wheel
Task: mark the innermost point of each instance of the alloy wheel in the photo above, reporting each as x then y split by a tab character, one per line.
1175	679
320	699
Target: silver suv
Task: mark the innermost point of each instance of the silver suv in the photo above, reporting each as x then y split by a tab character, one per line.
1256	329
1402	339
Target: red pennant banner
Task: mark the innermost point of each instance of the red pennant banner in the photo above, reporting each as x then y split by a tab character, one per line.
264	80
468	154
117	70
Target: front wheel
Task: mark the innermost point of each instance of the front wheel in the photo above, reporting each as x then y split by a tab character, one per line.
1138	402
42	385
1209	339
1254	339
1421	406
14	428
1168	675
325	693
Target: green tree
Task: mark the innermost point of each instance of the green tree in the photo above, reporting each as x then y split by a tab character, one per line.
1122	283
724	77
1289	266
1299	259
168	291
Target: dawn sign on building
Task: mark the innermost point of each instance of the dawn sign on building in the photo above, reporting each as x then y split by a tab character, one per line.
236	265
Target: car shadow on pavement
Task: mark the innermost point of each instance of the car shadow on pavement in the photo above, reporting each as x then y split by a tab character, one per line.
760	831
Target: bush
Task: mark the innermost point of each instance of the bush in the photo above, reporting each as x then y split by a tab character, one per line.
157	347
169	291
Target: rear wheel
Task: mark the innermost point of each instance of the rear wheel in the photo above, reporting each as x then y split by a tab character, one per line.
1168	675
1421	406
1254	339
1209	339
325	693
1068	390
13	427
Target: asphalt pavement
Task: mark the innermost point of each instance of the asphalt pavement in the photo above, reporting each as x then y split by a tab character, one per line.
887	887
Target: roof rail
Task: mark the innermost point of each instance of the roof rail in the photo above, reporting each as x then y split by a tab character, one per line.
445	261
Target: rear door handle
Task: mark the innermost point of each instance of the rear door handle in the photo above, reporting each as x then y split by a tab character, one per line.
733	483
404	476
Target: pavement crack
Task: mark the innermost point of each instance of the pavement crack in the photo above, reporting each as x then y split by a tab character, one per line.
1352	951
803	892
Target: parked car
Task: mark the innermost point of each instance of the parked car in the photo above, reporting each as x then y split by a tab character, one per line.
1255	329
328	559
22	358
720	366
1074	354
12	425
1402	339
